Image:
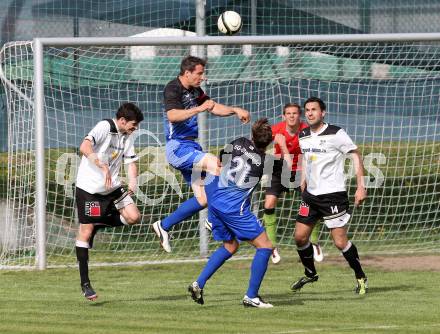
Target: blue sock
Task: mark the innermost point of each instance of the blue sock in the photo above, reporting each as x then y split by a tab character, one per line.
185	210
258	269
215	261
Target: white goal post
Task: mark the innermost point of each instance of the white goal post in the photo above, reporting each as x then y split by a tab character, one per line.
365	79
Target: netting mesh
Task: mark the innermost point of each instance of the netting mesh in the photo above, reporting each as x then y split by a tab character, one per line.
385	95
26	19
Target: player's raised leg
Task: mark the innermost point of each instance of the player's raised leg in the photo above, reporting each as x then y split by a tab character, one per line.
194	177
123	212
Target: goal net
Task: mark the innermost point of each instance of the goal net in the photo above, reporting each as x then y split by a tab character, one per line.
386	95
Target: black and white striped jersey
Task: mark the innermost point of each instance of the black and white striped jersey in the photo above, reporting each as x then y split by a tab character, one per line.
324	157
111	147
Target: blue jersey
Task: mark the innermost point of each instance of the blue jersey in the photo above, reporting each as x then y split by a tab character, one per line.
178	97
242	169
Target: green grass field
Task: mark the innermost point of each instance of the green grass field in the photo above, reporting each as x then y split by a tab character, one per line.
153	299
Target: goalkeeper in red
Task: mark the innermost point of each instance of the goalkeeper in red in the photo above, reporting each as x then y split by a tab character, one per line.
324	194
279	183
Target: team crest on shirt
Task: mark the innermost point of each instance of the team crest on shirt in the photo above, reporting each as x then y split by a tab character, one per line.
304	209
93	209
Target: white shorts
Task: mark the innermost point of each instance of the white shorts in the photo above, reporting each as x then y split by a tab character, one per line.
127	200
338	221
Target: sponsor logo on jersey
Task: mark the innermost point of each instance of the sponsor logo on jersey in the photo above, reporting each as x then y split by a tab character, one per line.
189	100
314	150
256	160
304	209
116	147
93	209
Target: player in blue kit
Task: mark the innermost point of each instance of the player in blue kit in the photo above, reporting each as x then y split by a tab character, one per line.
183	101
230	214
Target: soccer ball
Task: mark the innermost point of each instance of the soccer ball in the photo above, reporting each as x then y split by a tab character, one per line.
229	22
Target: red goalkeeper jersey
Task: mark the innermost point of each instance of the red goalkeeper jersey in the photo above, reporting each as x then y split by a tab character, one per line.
292	142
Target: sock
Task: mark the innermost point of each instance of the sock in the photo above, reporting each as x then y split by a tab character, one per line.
82	255
215	261
270	223
258	269
306	255
314	237
351	255
185	210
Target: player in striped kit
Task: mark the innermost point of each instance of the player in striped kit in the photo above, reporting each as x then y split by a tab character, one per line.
324	194
100	198
289	128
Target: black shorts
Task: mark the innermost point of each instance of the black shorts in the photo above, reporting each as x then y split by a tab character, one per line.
334	208
94	208
276	187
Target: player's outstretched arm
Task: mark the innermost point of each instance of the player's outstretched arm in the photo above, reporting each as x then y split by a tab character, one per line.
222	110
281	141
180	115
361	192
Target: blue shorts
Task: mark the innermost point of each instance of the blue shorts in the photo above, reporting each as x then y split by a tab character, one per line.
229	226
182	155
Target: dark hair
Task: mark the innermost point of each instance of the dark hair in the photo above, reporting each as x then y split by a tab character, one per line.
130	112
261	133
189	64
290	105
316	99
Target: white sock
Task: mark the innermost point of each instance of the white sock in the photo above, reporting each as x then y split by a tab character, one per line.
82	244
346	248
124	221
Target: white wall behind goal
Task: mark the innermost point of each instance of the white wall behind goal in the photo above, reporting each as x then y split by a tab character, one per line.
143	52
